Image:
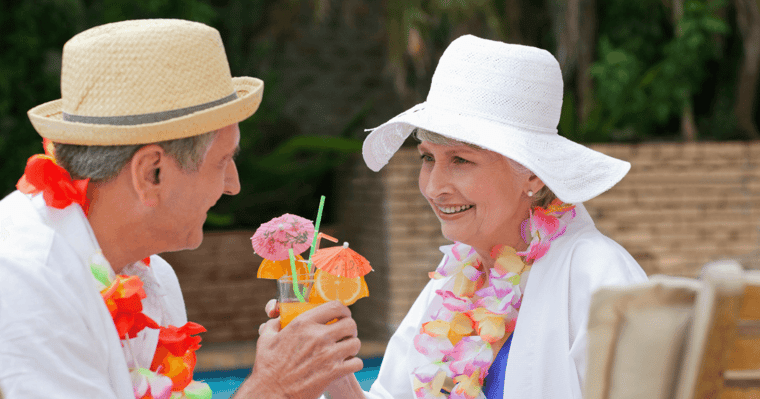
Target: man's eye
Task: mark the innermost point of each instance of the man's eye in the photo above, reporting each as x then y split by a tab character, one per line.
426	158
460	160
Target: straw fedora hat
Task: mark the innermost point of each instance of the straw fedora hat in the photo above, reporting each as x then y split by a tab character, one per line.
144	81
505	98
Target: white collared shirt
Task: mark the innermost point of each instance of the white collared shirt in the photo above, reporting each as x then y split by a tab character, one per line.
57	338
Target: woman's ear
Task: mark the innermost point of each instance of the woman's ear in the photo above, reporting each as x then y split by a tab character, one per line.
535	184
146	173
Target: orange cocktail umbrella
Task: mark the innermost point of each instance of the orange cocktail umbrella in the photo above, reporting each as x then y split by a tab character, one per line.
341	261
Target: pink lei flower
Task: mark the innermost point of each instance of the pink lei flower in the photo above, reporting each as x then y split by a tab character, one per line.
545	226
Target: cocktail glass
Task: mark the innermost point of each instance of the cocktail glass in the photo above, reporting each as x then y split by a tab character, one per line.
290	305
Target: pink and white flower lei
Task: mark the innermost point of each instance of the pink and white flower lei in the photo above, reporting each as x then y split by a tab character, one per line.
457	340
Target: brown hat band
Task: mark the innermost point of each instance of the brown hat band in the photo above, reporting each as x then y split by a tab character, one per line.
152	117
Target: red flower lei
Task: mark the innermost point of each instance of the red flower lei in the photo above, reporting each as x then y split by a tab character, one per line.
124	300
43	174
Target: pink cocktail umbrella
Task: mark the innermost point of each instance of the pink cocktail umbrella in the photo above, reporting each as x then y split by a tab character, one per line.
273	238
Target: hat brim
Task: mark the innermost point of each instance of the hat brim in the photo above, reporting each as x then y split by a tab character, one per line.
574	173
47	119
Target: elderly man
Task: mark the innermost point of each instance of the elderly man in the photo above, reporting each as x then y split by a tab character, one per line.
139	147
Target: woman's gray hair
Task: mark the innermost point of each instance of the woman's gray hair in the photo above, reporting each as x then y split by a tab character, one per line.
542	198
103	163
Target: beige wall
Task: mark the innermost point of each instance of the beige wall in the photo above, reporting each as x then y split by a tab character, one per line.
683	204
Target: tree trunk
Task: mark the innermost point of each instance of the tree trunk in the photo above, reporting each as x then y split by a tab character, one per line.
565	20
586	49
748	19
719	38
688	127
513	19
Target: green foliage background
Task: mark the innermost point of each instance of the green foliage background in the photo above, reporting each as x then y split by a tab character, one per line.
647	69
280	170
645	73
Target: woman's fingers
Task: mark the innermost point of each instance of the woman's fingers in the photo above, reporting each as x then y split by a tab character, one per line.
272	308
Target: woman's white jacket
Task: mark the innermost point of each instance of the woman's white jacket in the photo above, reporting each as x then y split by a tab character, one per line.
547	358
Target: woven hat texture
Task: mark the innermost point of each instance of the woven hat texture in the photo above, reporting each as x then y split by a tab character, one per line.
506	98
144	81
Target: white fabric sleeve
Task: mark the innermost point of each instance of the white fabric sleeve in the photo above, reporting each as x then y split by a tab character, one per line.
48	348
394	381
597	261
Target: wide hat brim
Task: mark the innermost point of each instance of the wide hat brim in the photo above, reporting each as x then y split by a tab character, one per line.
573	172
48	120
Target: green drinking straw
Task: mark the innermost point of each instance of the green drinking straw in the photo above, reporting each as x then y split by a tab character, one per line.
295	275
316	231
296	291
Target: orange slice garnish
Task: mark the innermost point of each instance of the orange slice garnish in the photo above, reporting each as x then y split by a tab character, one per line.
328	287
274	269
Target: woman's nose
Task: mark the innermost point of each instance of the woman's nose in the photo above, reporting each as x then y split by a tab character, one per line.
436	182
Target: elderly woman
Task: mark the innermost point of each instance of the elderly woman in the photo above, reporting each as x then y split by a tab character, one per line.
505	312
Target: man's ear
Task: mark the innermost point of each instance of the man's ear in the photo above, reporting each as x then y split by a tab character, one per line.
146	173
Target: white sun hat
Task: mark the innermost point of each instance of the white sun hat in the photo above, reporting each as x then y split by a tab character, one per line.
505	98
145	81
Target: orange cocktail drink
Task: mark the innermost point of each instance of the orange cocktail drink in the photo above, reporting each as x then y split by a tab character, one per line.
290	304
289	310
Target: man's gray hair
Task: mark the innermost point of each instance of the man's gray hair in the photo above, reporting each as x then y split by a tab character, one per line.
103	163
542	198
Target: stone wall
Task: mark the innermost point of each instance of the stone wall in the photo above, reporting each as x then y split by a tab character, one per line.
680	206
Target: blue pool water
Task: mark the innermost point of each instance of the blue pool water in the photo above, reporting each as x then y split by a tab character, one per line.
224	382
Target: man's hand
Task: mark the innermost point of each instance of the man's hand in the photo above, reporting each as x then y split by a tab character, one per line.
300	360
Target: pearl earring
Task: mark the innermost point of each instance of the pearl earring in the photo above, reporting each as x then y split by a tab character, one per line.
530	193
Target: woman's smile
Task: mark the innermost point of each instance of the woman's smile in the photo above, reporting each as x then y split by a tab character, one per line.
453	210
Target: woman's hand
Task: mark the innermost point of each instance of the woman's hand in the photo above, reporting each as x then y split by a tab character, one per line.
300	360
